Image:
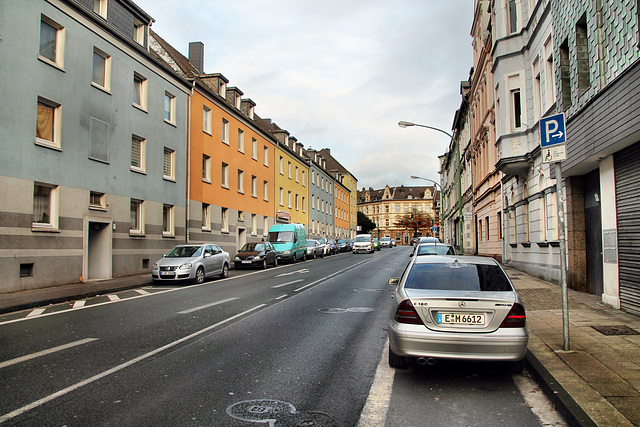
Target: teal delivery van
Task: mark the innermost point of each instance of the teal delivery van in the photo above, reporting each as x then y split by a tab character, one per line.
290	241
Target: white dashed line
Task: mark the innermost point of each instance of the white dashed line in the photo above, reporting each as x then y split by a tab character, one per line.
36	312
79	304
45	352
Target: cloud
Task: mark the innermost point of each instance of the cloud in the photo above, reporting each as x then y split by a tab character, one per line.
340	74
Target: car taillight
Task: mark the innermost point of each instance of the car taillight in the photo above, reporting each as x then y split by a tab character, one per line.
407	314
516	317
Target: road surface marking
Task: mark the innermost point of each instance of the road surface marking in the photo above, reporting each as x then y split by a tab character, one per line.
375	409
202	307
142	292
288	283
36	312
114	297
304	270
59	393
332	274
45	352
79	304
282	296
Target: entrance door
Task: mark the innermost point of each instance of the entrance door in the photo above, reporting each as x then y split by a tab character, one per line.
98	263
593	230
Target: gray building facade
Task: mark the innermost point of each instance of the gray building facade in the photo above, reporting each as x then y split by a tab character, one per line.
320	184
93	128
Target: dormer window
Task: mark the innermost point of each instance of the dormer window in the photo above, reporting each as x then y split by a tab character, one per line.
222	89
100	7
139	30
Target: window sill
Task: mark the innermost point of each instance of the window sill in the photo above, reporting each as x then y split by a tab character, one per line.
140	171
51	63
225	187
44	229
166	235
206	230
47	144
224	231
555	244
225	142
208	132
526	244
139	107
98	208
170	123
241	192
513	245
168	178
101	88
542	244
133	233
206	181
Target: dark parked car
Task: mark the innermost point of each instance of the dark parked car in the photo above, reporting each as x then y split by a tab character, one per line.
343	245
257	254
333	248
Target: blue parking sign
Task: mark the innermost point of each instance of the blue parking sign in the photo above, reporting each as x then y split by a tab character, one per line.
552	130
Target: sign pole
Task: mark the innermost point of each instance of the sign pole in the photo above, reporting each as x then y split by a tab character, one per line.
563	258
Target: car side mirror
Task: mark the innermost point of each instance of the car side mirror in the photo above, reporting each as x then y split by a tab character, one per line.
411	254
393	281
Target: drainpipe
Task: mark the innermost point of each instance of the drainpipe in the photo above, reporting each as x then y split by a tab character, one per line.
188	197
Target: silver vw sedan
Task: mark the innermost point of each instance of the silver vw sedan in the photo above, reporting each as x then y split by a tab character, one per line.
456	307
192	263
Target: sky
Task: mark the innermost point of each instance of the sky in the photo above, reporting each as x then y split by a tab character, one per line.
339	74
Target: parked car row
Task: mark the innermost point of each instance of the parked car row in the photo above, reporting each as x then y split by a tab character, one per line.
367	243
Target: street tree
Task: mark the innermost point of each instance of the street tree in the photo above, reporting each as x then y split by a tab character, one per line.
365	223
420	223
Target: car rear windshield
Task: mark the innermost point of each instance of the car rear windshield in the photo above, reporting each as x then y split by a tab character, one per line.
280	236
458	277
435	250
253	247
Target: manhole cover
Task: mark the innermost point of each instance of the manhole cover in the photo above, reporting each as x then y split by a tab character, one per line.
616	330
275	412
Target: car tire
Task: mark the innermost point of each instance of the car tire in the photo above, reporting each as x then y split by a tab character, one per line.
264	264
315	255
275	261
225	271
395	361
294	260
304	256
200	275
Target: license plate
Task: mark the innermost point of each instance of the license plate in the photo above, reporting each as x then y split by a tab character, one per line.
167	273
246	262
460	319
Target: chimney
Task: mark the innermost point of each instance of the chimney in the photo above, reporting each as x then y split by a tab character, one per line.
196	55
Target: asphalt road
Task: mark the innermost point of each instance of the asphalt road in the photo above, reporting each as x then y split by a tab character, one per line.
299	344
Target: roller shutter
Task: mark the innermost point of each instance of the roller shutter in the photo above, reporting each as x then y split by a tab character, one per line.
627	171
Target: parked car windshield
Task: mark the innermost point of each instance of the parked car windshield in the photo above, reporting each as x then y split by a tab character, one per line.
458	277
280	236
253	247
184	252
362	238
311	242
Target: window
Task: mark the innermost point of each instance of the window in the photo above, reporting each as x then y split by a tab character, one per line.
169	108
265	226
240	181
254	224
517	109
289	169
206	168
139	30
206	217
167	220
206	119
254	149
225	176
168	170
537	101
480	230
138	154
265	191
100	7
499	225
45	206
139	91
304	179
289	199
582	54
486	226
297	177
513	17
266	155
254	186
51	42
565	75
48	123
304	209
281	166
225	131
281	196
101	75
137	217
96	200
241	140
297	204
549	75
225	220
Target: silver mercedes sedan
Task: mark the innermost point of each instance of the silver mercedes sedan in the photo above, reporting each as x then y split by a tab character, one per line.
192	263
456	307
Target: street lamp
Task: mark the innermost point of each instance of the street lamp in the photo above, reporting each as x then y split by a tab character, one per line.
440	210
404	124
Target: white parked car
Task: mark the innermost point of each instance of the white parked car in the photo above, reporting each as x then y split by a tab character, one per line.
363	243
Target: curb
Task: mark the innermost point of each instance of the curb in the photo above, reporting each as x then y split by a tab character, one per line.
572	413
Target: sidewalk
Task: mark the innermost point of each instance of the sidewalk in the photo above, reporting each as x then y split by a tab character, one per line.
596	383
